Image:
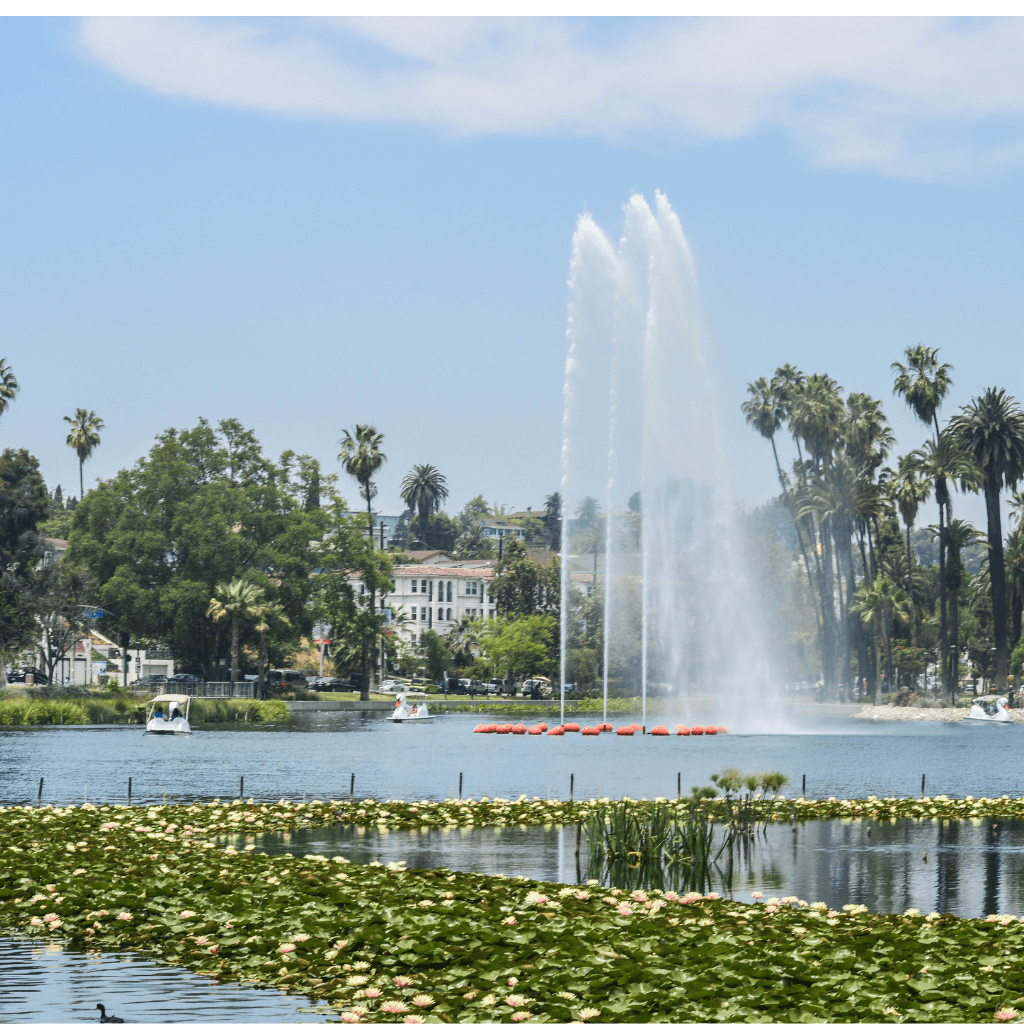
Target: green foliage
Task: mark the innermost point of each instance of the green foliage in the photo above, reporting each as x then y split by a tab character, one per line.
524	587
581	668
204	506
520	647
469	946
121	710
434	653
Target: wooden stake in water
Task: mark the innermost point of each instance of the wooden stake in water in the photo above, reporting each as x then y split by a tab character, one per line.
805	785
39	798
679	784
572	784
922	784
460	785
241	787
129	791
579	829
352	786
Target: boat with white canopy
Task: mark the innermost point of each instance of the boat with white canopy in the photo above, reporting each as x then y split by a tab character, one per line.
169	721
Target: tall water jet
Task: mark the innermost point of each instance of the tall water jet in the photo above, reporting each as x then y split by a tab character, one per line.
638	310
591	304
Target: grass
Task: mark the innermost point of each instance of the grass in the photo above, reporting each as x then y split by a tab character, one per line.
383	943
119	710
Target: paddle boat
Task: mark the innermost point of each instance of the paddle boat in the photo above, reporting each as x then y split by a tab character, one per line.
989	709
170	722
409	713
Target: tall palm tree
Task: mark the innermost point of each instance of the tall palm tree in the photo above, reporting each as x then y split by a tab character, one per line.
947	464
763	411
923	383
361	457
236	600
909	490
817	415
84	437
553	519
958	535
267	613
8	386
877	603
991	428
424	490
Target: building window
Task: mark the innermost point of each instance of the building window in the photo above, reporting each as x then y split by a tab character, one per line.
491	598
449	593
449	615
414	582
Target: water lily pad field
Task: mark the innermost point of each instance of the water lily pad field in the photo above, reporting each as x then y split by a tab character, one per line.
378	942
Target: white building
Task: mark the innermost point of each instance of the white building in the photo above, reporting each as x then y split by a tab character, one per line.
438	596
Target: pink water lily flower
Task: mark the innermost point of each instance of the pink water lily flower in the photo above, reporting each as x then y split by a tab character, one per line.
393	1006
402	981
515	1001
422	1001
286	947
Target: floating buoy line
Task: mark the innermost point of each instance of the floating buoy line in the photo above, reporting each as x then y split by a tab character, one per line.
505	728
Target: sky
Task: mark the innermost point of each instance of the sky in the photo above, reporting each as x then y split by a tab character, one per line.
307	224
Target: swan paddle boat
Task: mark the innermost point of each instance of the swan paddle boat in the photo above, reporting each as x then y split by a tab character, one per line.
404	712
989	709
172	721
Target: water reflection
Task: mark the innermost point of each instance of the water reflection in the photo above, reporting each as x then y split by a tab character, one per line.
969	868
43	982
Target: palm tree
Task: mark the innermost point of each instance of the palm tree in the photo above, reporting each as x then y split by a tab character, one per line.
361	457
991	429
876	604
268	613
764	413
473	544
238	599
909	491
8	386
923	383
816	416
553	519
84	437
947	463
958	535
424	489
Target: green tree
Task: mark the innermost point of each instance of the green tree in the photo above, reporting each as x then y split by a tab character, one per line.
522	586
553	519
424	489
473	544
268	614
361	457
435	653
24	505
909	491
84	437
947	464
203	506
878	603
959	535
236	600
349	567
521	647
991	429
8	386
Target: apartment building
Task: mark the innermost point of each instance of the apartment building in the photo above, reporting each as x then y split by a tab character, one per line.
438	596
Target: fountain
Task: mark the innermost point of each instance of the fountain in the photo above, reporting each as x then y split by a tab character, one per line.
640	430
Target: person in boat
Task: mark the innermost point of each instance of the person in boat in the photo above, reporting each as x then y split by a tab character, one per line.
414	710
159	713
175	713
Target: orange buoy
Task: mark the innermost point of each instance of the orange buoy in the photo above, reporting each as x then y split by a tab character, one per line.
590	730
535	730
518	729
722	730
625	730
504	728
571	727
660	730
543	726
682	730
697	730
606	727
557	731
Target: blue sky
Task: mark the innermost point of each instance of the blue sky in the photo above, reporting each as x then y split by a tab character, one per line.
306	225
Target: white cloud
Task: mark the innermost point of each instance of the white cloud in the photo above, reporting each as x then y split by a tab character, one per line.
904	96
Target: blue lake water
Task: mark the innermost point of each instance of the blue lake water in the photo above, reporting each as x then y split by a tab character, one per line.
42	982
317	754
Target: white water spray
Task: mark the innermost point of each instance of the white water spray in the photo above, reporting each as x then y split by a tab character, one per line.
639	403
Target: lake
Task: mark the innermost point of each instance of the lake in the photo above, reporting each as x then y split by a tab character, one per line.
316	755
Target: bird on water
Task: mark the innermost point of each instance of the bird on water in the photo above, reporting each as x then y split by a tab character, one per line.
104	1019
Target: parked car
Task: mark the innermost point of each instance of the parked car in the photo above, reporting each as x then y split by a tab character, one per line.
151	679
16	675
452	686
184	677
537	689
286	679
